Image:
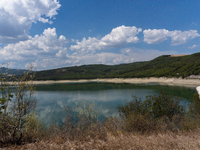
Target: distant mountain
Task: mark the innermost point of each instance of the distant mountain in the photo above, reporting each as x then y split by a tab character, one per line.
12	71
163	66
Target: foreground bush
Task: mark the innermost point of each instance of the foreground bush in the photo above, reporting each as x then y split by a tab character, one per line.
18	122
159	114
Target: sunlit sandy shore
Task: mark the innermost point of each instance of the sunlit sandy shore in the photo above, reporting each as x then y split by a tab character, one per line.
161	81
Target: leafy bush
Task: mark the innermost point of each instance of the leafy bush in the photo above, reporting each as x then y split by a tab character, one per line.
154	106
136	106
152	113
18	122
194	108
166	105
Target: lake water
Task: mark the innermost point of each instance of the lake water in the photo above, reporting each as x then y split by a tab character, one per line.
53	98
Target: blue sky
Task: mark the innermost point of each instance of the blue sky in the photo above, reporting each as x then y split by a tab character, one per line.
52	34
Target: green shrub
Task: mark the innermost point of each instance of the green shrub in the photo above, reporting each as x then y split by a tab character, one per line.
136	106
166	105
138	122
18	122
194	108
33	128
154	113
154	106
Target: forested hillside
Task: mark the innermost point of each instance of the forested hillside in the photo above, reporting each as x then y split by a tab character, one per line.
12	71
163	66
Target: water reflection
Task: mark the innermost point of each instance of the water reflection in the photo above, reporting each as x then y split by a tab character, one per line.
53	98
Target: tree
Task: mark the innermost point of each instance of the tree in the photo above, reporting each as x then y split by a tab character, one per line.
17	105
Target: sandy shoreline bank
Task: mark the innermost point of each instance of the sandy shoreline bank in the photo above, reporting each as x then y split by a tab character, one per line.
161	81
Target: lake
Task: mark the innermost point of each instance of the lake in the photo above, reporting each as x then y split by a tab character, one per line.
53	98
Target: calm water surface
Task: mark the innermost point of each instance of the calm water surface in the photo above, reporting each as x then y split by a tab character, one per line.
53	98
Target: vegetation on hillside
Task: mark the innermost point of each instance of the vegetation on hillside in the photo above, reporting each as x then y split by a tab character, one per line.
12	71
163	66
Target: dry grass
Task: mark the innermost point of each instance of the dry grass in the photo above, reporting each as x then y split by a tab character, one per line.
177	55
110	135
182	141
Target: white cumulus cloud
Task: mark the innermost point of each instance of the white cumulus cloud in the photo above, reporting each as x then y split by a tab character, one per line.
40	47
118	37
179	37
48	50
17	16
194	46
156	36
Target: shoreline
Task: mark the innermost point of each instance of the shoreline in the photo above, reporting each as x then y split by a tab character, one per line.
161	81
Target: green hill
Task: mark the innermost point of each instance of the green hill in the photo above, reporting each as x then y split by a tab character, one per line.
12	71
163	66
